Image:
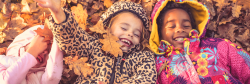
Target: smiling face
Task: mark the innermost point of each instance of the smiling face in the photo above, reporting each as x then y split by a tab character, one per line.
42	57
176	26
127	27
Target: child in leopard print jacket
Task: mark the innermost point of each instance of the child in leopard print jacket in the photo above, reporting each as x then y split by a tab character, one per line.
137	64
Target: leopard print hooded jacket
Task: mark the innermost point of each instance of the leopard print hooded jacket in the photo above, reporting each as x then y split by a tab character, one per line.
135	66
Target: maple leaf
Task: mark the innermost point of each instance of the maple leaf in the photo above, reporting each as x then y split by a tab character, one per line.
147	5
16	7
98	28
221	3
95	18
3	50
45	32
236	10
80	15
110	45
79	66
108	3
29	6
225	20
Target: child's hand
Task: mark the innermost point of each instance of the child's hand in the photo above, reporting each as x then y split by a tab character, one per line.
37	46
53	5
55	9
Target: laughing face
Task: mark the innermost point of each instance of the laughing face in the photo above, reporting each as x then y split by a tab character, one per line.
127	27
42	57
176	27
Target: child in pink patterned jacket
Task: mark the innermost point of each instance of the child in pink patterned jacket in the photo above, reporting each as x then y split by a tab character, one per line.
26	58
183	56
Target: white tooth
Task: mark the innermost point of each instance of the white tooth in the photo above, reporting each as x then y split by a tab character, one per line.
179	39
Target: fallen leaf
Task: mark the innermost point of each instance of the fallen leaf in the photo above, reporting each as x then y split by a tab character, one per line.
108	3
3	51
2	37
98	28
7	9
79	66
148	6
236	11
110	45
245	3
80	15
45	32
225	20
221	3
3	22
73	1
95	18
16	7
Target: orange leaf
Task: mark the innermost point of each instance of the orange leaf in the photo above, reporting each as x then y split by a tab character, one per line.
45	32
221	3
108	3
3	50
236	10
110	45
80	15
98	28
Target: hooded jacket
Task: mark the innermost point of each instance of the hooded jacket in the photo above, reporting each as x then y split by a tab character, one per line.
135	66
203	60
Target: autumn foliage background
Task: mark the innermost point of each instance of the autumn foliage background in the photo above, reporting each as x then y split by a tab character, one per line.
229	19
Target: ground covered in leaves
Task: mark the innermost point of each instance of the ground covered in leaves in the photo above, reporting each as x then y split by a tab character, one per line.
230	19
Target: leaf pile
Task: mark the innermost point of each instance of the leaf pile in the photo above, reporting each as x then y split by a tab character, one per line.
230	19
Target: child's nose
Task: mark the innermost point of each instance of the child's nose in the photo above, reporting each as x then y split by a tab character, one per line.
179	29
130	34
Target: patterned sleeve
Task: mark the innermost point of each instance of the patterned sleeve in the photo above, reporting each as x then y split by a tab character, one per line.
145	70
236	60
71	38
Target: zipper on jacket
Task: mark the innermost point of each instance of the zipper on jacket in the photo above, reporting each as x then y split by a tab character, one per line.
116	62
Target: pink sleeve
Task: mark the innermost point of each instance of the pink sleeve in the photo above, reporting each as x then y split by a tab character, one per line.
54	67
235	60
17	71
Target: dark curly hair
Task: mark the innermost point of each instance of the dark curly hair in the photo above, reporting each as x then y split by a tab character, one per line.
172	5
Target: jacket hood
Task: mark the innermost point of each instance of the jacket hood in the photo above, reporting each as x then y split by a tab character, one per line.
198	10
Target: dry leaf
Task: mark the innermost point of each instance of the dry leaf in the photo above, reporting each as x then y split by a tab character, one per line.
108	3
80	15
225	20
245	3
3	50
148	6
73	1
95	18
79	66
98	28
110	45
16	7
2	37
3	22
45	32
221	3
7	9
236	10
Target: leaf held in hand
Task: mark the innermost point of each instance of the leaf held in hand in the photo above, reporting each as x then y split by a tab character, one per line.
45	32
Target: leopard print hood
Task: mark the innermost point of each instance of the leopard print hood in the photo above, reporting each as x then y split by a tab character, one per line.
121	6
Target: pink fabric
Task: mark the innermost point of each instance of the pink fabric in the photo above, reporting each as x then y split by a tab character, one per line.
21	71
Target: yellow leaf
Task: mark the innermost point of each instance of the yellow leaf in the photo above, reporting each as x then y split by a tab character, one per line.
108	3
3	22
236	10
110	45
80	15
245	3
98	28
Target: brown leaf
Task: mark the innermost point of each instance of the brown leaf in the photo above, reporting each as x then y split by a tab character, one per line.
110	45
236	11
148	6
245	3
95	18
45	32
80	15
244	37
108	3
73	1
16	7
231	33
225	20
7	9
2	37
221	3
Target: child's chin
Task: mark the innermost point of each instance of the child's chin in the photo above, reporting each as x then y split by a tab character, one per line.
124	49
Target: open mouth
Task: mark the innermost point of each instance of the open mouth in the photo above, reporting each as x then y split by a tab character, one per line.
39	59
179	39
126	42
